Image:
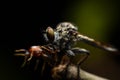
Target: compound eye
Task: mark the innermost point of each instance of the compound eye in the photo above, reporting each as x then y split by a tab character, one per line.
50	34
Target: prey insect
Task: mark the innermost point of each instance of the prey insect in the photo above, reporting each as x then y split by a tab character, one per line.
45	52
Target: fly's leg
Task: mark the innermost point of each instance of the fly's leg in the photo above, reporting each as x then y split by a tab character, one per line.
80	51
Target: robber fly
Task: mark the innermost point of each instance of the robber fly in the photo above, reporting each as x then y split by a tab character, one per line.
66	34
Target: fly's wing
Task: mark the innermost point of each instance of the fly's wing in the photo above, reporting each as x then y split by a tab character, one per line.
97	44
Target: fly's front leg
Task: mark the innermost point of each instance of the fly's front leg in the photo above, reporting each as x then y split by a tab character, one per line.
74	51
80	51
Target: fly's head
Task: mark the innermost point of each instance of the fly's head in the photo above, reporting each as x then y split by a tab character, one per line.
67	30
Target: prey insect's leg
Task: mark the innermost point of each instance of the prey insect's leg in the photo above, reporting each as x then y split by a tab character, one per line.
36	65
20	52
43	68
26	57
31	55
25	61
23	52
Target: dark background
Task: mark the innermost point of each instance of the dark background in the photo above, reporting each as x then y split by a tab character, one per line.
21	27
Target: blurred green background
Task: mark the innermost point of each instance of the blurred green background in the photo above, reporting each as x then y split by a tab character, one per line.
24	21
